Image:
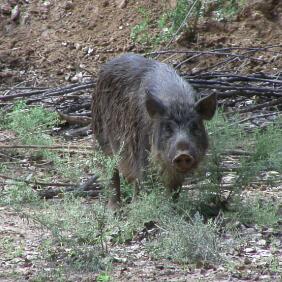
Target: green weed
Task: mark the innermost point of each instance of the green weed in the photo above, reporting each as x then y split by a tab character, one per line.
154	32
18	194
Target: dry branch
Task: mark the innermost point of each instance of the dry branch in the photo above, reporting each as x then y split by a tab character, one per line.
83	120
37	183
54	147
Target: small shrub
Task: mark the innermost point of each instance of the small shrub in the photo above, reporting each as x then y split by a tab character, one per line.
17	194
256	211
31	125
189	242
80	232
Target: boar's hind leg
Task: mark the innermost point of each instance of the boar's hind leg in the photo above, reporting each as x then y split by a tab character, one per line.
115	195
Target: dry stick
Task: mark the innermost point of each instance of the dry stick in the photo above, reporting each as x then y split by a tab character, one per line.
257	49
54	147
258	107
221	63
240	121
221	82
72	119
251	50
231	78
261	76
38	182
200	53
52	92
256	117
262	90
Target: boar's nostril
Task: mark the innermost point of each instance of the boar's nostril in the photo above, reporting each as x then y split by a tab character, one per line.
184	162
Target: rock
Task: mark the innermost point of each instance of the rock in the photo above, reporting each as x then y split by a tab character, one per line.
69	5
15	13
122	3
6	9
262	242
172	3
105	3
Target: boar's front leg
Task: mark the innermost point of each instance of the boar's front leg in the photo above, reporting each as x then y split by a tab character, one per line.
174	186
115	195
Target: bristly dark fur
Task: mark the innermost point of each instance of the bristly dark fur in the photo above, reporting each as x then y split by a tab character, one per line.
120	118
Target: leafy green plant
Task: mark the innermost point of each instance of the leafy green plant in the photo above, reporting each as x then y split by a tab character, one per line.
81	231
189	241
140	32
153	32
31	125
256	211
103	277
18	194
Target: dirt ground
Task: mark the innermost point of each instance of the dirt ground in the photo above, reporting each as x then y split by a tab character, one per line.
49	43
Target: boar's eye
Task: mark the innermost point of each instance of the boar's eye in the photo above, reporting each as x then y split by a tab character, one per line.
194	126
168	128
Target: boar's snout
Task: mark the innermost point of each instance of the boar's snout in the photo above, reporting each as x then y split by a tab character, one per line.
184	162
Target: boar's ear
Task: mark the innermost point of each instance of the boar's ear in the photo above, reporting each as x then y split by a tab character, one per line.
154	105
206	106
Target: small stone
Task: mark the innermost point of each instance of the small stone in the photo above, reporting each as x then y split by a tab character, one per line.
105	3
247	261
6	9
172	3
77	46
15	13
122	3
60	72
119	260
90	51
13	2
250	250
69	5
262	242
67	77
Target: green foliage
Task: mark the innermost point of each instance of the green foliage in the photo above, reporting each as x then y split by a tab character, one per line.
140	32
56	274
227	8
161	30
80	233
256	211
189	242
18	194
71	222
266	154
31	125
182	237
10	248
103	277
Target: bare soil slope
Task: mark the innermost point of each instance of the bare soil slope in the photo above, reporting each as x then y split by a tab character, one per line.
56	39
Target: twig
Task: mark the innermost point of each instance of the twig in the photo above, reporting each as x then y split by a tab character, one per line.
258	107
37	182
52	92
54	147
71	119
